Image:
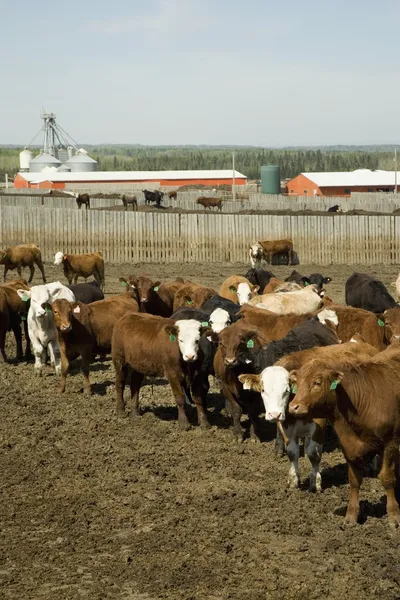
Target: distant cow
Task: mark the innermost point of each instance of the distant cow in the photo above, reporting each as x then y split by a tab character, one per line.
83	199
335	208
24	255
82	265
210	202
129	201
264	250
155	196
172	195
365	291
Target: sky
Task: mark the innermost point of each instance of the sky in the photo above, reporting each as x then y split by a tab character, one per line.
256	72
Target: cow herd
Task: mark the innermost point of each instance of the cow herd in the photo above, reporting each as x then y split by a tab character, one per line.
278	348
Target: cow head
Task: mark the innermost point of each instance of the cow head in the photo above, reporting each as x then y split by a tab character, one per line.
63	313
238	343
319	280
58	258
246	291
314	387
41	298
187	333
274	385
219	319
391	321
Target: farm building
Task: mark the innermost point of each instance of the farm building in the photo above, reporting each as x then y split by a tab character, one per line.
341	183
59	179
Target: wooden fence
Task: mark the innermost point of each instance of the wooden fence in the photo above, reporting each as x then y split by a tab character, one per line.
171	237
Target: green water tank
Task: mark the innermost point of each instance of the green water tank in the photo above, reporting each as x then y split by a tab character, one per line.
270	179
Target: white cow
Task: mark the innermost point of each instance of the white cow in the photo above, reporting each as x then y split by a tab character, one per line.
300	302
255	254
41	328
396	284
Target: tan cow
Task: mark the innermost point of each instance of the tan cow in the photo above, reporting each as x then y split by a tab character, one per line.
23	255
82	265
238	289
302	301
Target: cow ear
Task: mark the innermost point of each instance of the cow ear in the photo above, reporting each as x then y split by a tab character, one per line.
123	280
293	376
171	330
156	285
251	382
305	280
24	294
255	288
212	336
56	293
76	309
327	279
232	289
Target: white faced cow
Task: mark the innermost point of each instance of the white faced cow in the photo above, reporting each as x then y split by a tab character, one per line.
219	319
41	328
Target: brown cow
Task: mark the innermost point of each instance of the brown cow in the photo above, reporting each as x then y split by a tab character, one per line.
391	319
192	295
210	202
265	249
12	311
82	265
278	285
357	320
238	289
24	255
129	200
153	297
172	195
274	326
83	199
152	345
228	367
363	404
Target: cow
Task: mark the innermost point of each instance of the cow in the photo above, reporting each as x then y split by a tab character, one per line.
264	250
301	280
83	199
152	345
210	203
259	277
155	196
316	278
12	310
273	325
222	312
365	291
172	195
335	209
238	289
300	302
23	255
278	285
391	320
192	295
87	292
363	404
82	265
41	329
274	385
356	320
396	285
153	297
129	201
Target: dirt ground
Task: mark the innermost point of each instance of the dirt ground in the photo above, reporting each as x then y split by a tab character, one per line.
93	506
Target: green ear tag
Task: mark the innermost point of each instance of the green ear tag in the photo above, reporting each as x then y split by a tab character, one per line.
381	323
189	301
172	338
123	282
23	318
204	323
306	283
334	384
48	310
250	344
156	288
294	388
25	298
232	288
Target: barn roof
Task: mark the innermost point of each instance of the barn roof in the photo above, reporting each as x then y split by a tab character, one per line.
133	175
360	177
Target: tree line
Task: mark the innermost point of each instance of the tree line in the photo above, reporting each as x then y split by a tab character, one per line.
247	160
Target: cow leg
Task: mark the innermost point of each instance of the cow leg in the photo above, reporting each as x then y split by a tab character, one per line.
355	481
19	271
235	412
388	477
314	453
179	393
293	452
120	380
199	398
40	354
5	272
135	383
3	333
28	350
64	372
279	443
75	278
85	367
41	268
254	423
32	271
54	354
16	327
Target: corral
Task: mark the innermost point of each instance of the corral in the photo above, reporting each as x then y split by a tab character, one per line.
99	507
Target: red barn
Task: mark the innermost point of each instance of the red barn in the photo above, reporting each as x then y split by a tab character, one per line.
341	183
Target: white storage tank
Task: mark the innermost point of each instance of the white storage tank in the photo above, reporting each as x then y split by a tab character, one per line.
81	162
25	158
43	160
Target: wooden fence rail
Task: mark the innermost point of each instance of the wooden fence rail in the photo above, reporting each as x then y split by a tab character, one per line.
126	237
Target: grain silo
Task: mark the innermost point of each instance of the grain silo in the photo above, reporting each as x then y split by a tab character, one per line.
25	158
81	163
43	160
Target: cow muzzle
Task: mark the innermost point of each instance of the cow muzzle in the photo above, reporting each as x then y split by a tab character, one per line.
274	416
230	362
189	357
297	410
65	328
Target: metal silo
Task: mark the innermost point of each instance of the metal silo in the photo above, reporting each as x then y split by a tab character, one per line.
25	158
64	169
43	160
270	179
81	162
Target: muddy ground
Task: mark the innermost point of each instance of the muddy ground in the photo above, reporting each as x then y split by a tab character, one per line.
95	507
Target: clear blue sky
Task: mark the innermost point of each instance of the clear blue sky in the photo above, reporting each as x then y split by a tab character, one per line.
262	72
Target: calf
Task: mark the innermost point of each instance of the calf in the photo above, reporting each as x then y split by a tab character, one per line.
210	203
41	329
238	289
274	385
83	199
129	201
155	196
82	265
192	295
24	255
299	302
153	297
364	291
259	277
316	278
222	312
273	325
87	292
356	320
12	309
391	321
172	195
271	247
363	404
152	345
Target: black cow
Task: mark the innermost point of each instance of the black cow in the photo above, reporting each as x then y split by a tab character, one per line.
218	301
155	196
83	199
365	291
335	208
260	277
87	292
316	278
184	313
302	280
